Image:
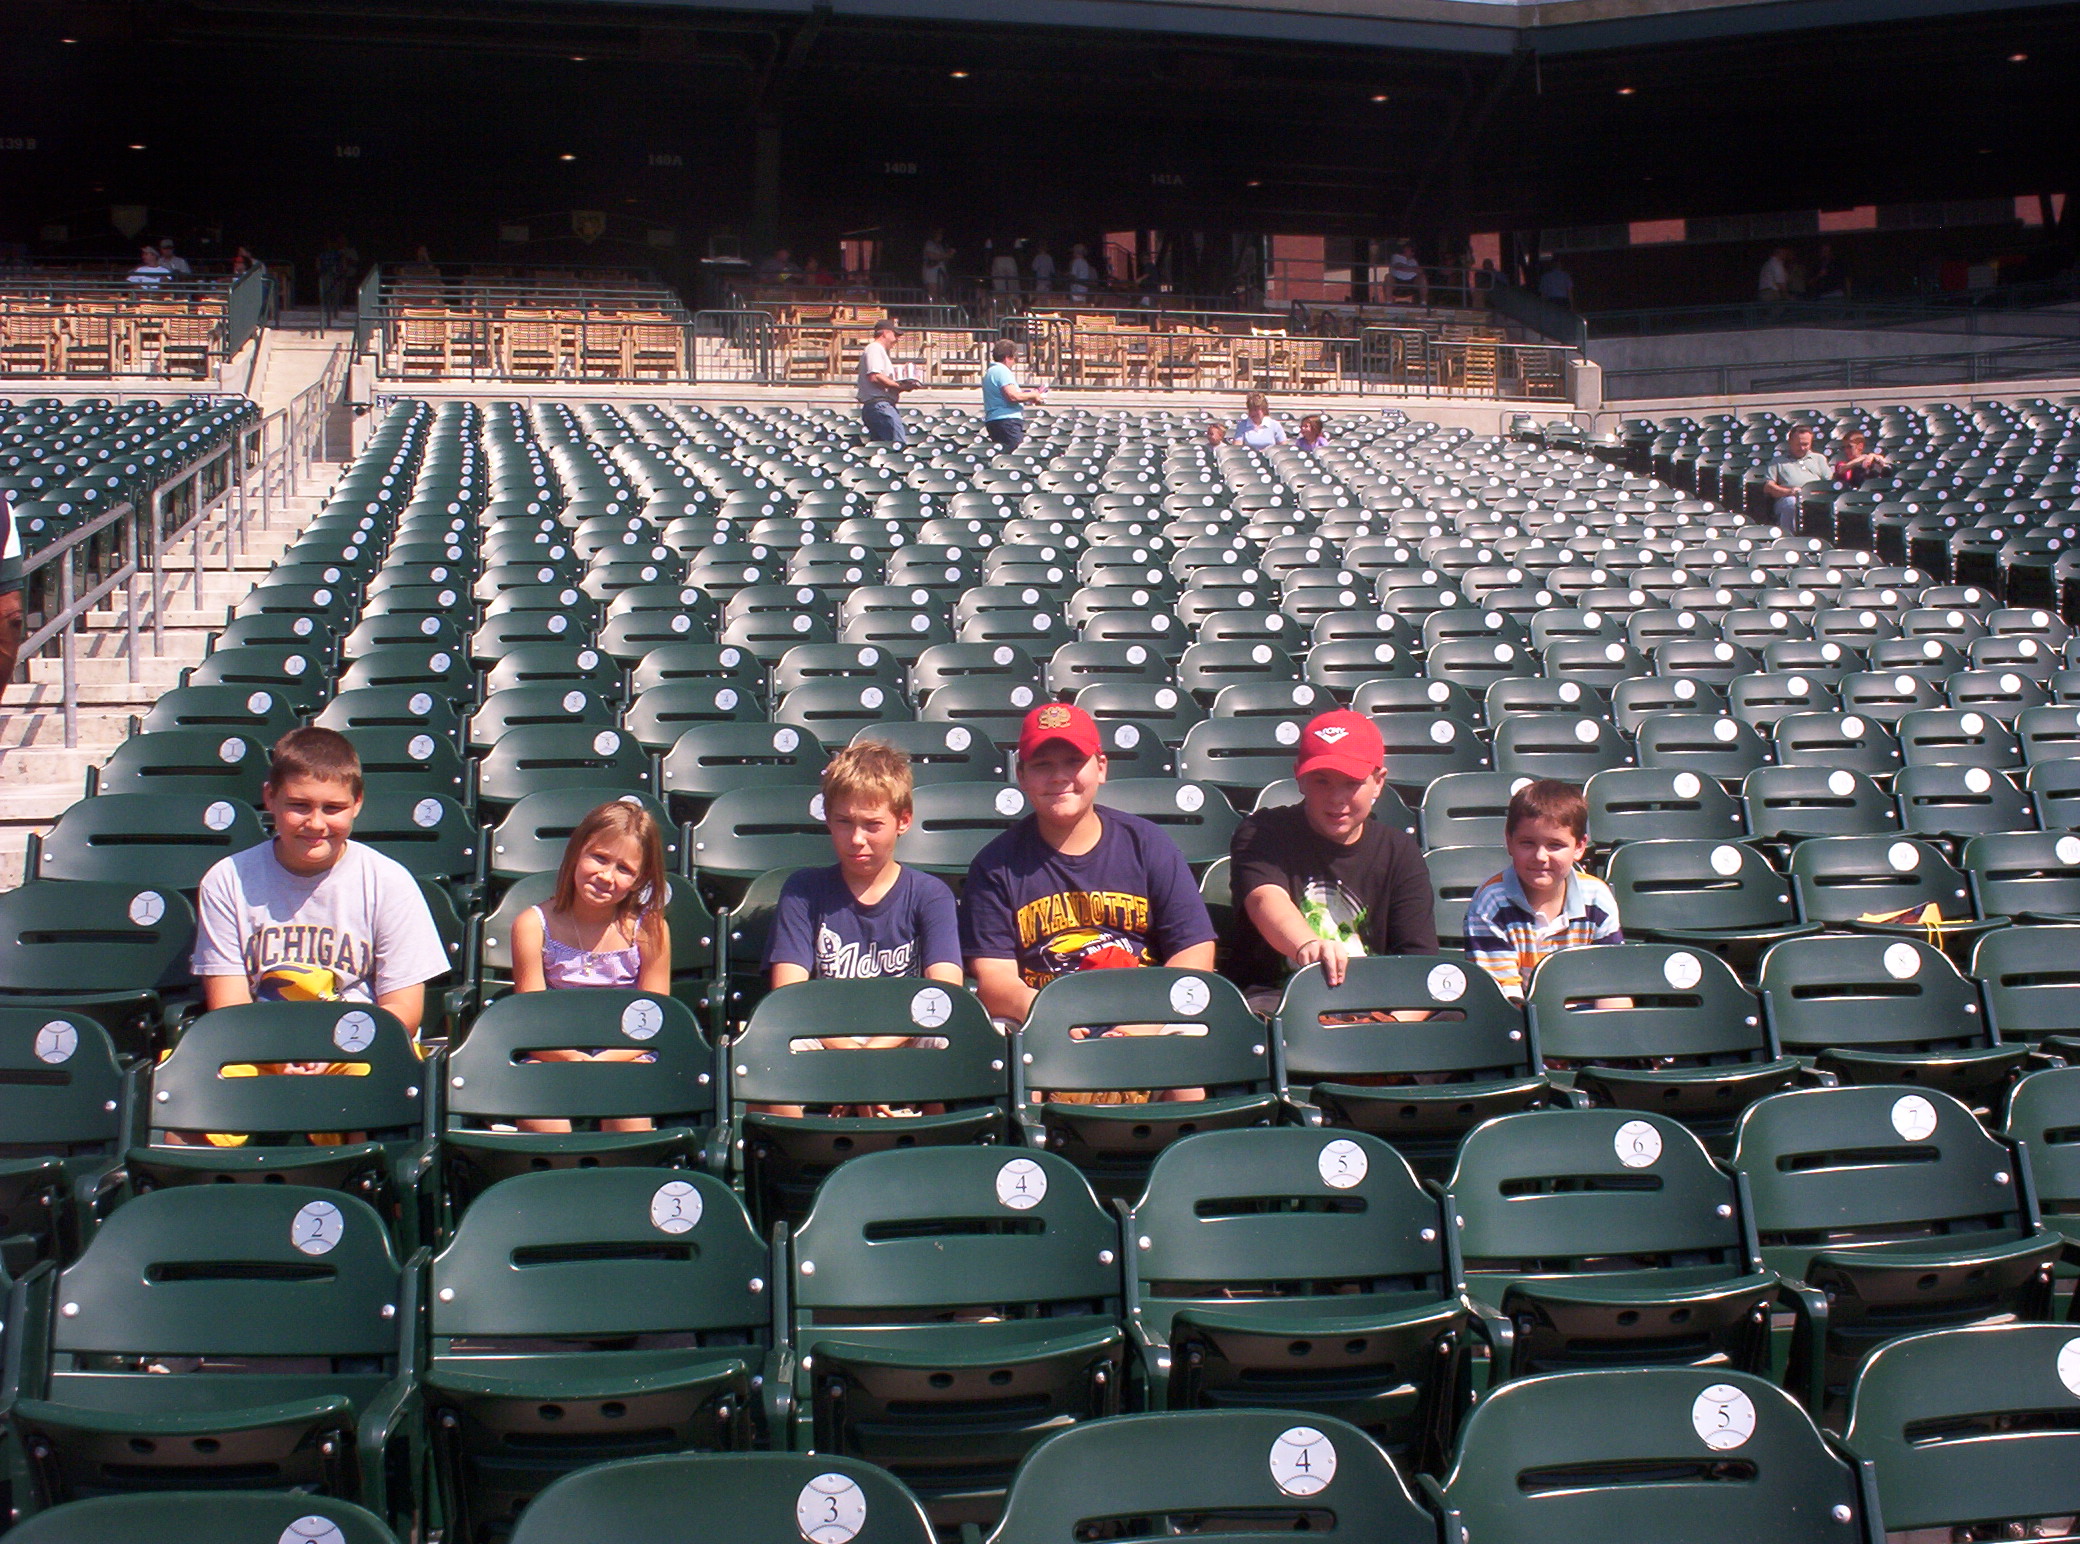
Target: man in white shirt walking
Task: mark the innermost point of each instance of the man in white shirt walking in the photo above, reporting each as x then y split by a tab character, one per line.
880	388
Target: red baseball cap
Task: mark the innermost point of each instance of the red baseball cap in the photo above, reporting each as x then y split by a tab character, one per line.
1342	741
1060	721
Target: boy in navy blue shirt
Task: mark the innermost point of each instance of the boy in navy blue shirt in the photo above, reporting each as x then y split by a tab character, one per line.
1074	886
868	915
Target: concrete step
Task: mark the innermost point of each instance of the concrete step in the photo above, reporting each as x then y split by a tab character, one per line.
153	676
43	784
27	727
42	696
13	857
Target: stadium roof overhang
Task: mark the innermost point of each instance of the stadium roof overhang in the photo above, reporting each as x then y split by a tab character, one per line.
1457	26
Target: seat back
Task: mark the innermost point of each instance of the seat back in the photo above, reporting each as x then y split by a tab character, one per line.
233	1271
62	1092
2031	977
1700	885
687	1498
1209	1038
2019	873
1331	1034
1634	1002
57	938
1787	803
1864	1165
1289	1212
492	1078
1556	1192
1842	878
1971	1426
909	1232
1585	1457
161	839
2044	1121
229	1073
599	1255
1654	803
780	1056
1238	1475
206	763
214	1517
1866	990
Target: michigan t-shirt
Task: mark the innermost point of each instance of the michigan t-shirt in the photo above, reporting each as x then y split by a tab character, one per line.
1129	901
355	932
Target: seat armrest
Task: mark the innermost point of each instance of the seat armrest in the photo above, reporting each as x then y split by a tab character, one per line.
1806	1374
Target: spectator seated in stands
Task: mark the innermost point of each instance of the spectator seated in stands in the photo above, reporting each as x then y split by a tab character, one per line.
1859	463
1556	285
1074	886
1542	903
313	915
172	261
867	915
150	273
1312	435
1255	428
1321	882
1216	433
1793	472
604	926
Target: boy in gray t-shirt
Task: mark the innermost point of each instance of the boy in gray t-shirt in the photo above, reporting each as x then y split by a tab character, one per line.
311	915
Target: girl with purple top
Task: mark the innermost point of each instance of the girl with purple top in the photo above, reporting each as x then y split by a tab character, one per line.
603	927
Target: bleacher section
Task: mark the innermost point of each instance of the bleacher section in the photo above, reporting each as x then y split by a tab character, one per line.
1423	1264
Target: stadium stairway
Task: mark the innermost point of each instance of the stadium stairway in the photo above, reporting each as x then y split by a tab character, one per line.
39	774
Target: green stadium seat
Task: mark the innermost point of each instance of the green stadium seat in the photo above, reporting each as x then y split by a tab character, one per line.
212	1284
1351	1311
951	1307
1887	1211
1587	1266
580	1316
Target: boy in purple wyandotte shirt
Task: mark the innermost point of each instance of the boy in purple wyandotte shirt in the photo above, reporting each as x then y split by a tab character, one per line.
868	915
1074	886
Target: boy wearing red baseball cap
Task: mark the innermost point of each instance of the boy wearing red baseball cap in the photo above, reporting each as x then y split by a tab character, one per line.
1074	886
1320	882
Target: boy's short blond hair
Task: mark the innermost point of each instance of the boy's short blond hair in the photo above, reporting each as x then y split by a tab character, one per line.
869	773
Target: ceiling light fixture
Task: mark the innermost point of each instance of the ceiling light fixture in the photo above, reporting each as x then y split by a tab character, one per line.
1379	96
2018	58
1626	91
137	147
566	156
959	74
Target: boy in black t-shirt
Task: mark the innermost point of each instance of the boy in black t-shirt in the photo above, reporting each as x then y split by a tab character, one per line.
1319	882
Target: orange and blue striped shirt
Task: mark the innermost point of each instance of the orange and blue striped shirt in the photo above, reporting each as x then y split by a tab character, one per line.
1507	938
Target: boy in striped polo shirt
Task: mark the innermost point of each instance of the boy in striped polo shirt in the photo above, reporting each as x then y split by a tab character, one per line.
1541	903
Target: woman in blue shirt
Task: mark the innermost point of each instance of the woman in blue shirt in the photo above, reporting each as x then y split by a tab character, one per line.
1004	400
